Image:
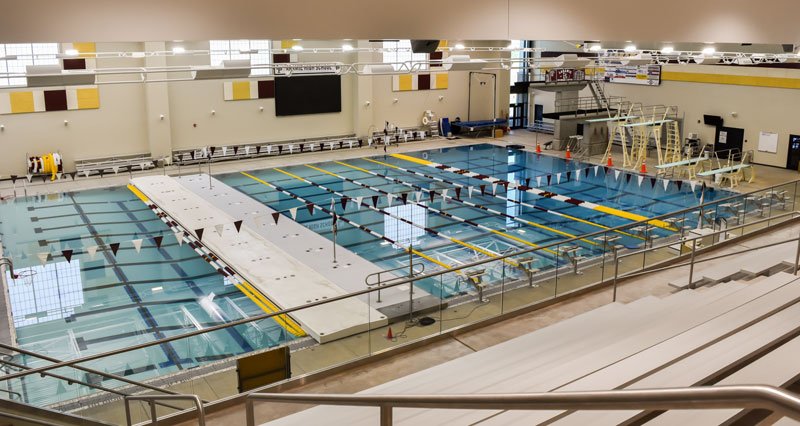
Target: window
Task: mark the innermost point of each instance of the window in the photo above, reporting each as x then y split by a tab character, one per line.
400	51
25	54
222	50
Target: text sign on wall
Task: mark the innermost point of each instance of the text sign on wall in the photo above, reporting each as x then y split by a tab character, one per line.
649	75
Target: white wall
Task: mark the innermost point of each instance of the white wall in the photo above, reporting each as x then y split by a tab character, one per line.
757	108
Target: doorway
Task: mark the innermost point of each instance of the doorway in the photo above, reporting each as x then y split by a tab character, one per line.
793	159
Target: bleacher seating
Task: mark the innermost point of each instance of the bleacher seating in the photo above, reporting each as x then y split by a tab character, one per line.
124	163
735	332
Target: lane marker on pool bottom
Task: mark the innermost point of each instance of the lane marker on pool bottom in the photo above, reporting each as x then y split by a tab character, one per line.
545	194
437	211
467	203
284	321
346	220
522	203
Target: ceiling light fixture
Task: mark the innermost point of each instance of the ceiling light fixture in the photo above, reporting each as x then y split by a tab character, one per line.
297	47
630	48
71	52
667	50
177	50
347	47
708	51
596	48
459	46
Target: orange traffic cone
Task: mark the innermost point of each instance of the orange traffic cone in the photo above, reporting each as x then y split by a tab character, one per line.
644	167
569	154
538	148
389	335
609	163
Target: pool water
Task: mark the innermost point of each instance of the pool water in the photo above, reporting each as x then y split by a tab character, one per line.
520	221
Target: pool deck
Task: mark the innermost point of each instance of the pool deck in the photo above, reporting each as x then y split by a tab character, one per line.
308	247
283	279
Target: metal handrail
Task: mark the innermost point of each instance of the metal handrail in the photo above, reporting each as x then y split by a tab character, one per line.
152	400
692	261
393	284
711	397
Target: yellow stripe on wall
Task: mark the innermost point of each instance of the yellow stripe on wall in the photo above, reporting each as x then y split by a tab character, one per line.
406	82
21	102
739	80
85	47
442	80
88	98
241	90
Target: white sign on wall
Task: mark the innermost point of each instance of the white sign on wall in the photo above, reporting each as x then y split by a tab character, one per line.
649	75
768	142
723	137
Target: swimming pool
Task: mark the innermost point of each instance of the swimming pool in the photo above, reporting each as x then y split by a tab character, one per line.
477	219
102	300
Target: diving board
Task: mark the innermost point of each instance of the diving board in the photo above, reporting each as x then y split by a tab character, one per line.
728	169
611	119
284	280
734	174
648	123
686	162
546	194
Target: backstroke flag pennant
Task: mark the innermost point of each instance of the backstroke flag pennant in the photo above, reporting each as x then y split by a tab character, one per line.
238	225
431	194
375	201
666	184
558	178
483	189
458	193
114	248
595	170
389	198
158	240
310	207
179	237
137	244
616	174
639	179
92	251
67	255
494	188
219	228
469	191
359	199
404	197
199	233
43	257
275	217
293	213
538	181
344	201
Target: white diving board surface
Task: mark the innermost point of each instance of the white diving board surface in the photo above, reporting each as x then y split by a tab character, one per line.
648	123
724	170
686	162
605	120
284	280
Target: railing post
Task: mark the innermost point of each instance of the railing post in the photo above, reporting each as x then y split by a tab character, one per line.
386	415
691	264
249	411
797	257
616	274
153	414
127	412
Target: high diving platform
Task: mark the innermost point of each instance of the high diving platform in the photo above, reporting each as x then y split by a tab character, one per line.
279	273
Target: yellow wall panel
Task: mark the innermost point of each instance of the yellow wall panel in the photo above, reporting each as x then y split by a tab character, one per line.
442	81
739	80
88	98
288	44
241	90
85	47
406	82
21	102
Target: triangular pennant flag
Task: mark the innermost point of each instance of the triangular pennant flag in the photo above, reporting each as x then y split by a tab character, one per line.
652	182
458	193
483	189
310	207
137	244
212	149
238	225
92	251
596	168
219	228
30	176
115	169
569	176
528	182
627	178
235	150
344	201
693	184
418	194
431	194
192	154
639	179
179	237
280	149
404	197
549	178
102	172
469	191
224	150
13	179
293	212
258	149
114	248
43	257
247	150
276	216
67	255
72	175
558	178
389	198
505	185
586	172
679	183
375	201
334	218
158	240
538	181
59	175
494	188
666	184
359	199
578	176
199	233
444	194
44	178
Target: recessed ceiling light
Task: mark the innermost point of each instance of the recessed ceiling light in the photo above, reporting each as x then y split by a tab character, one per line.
667	50
595	48
178	50
459	46
630	48
71	52
347	47
709	51
297	47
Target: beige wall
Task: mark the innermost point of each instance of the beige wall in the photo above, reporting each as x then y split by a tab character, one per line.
757	108
679	20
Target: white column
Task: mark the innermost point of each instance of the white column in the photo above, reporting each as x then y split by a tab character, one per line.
159	134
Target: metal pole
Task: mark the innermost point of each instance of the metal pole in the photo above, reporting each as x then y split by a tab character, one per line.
797	257
410	303
249	414
127	412
691	264
334	241
153	415
386	415
616	275
210	184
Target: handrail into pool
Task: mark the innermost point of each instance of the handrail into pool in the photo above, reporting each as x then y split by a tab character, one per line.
692	260
393	284
152	400
688	398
